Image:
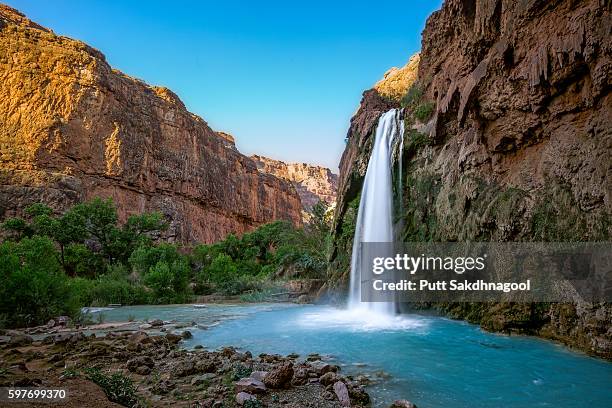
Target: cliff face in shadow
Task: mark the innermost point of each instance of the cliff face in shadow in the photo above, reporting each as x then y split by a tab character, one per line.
72	128
509	139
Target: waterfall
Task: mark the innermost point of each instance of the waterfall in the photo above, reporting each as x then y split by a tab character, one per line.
375	216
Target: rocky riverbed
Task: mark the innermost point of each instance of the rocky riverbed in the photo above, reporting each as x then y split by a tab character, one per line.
164	374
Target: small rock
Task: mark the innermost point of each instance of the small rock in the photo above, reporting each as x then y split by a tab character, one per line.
173	338
142	370
156	323
250	386
206	366
279	377
328	378
258	375
164	387
141	361
321	367
300	376
139	337
402	404
184	368
198	347
242	397
342	393
313	357
51	323
186	334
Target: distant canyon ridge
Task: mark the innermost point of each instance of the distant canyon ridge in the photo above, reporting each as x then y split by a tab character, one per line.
73	128
313	183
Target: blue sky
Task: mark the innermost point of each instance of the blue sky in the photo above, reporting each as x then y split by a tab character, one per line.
284	77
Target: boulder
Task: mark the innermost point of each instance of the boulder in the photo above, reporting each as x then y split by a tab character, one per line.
300	376
258	375
63	320
173	338
206	366
184	368
142	370
186	334
328	378
142	361
156	323
342	394
279	377
251	386
321	367
139	337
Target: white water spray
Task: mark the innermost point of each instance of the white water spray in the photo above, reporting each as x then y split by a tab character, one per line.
375	216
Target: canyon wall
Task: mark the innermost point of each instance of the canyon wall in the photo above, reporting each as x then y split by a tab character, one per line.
313	183
73	128
509	138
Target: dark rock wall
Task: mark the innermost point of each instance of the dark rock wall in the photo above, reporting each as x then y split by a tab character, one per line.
518	146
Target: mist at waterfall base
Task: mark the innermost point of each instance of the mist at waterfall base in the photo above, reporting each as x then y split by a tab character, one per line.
432	361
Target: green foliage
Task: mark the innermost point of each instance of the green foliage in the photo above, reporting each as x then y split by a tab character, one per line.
164	270
253	403
420	221
415	141
53	264
117	387
561	219
17	228
79	260
423	111
34	287
113	287
240	371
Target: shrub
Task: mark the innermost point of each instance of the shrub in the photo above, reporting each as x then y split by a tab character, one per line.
117	387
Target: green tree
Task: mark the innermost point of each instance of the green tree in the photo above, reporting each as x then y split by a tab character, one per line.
34	288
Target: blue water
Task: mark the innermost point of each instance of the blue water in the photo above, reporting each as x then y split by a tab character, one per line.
432	361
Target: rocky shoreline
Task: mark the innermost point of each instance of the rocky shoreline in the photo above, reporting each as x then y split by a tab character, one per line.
151	369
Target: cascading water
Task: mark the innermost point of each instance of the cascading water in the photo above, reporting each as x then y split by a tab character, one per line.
375	216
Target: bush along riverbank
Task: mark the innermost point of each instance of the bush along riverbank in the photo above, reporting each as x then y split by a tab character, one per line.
55	264
146	367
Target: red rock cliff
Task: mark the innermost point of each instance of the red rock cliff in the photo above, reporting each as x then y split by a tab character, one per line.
72	128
